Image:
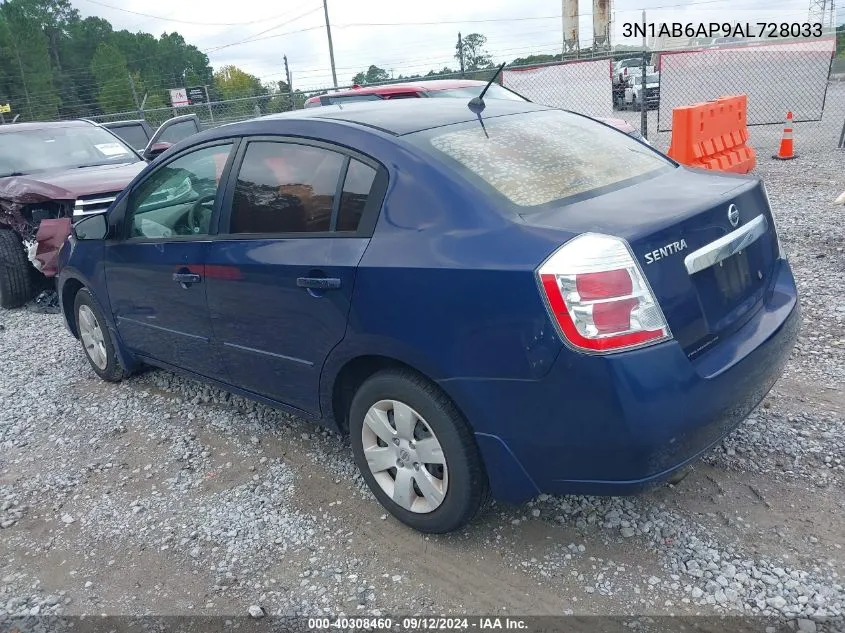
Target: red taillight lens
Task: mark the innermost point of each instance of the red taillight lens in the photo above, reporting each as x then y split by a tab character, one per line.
598	296
614	317
611	283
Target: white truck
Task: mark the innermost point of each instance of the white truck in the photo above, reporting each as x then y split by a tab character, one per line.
624	71
639	91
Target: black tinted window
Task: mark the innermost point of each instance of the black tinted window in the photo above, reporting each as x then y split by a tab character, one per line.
356	189
349	98
178	132
135	135
285	188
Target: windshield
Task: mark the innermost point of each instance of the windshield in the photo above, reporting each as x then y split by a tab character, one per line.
494	92
545	156
59	148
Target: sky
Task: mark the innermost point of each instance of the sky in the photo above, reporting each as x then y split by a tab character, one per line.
401	37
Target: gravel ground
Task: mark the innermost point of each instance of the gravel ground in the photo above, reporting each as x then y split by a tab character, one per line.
163	496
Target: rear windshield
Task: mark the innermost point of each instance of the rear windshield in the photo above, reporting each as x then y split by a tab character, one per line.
540	157
468	92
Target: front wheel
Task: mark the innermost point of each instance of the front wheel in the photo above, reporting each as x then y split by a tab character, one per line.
94	336
416	452
16	273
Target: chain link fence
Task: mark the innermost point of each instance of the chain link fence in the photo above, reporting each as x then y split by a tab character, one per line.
800	76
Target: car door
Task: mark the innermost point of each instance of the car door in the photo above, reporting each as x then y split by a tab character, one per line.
155	272
297	219
171	132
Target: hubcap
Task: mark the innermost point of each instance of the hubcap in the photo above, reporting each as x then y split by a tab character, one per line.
404	456
92	337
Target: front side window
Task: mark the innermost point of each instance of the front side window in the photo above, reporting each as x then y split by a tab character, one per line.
285	188
540	157
177	200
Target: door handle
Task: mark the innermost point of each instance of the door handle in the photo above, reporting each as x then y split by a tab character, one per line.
320	283
186	278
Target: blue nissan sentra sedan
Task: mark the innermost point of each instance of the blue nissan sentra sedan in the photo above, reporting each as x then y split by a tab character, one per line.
495	300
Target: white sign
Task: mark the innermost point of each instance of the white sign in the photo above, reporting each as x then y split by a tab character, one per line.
111	149
178	97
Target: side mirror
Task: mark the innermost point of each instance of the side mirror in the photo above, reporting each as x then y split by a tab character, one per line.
155	149
94	227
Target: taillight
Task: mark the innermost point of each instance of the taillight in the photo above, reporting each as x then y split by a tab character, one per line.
781	251
598	296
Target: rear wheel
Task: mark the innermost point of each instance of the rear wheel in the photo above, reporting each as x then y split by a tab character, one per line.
416	452
16	287
95	339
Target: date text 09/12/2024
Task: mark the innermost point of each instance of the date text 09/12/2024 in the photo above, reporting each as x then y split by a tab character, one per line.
722	29
414	623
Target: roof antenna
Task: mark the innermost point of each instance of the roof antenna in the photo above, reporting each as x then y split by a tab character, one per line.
476	104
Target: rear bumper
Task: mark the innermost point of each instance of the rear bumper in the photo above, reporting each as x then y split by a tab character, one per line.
615	424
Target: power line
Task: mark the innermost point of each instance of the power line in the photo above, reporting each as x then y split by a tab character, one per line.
72	72
166	19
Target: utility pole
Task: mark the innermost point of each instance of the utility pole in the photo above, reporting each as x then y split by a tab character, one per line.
644	90
290	83
331	48
461	52
135	96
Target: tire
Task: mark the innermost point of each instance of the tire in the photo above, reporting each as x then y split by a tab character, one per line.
434	416
98	349
16	273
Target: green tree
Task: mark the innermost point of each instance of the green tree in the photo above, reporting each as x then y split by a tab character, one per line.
114	93
232	83
535	59
35	93
475	55
373	75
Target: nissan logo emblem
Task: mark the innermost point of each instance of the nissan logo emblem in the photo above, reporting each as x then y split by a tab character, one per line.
733	215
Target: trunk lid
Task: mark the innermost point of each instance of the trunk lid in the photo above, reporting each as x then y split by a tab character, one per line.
666	219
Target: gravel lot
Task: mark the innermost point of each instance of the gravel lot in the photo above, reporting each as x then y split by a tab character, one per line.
162	496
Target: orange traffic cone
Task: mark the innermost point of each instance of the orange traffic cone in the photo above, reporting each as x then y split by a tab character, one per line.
786	151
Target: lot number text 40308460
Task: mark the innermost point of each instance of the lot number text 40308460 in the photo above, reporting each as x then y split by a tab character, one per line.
719	29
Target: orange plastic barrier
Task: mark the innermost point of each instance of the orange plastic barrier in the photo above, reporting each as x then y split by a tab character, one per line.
713	135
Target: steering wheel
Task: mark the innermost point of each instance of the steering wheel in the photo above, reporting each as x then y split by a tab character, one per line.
193	214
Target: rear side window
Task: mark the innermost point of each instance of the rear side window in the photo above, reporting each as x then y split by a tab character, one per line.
356	190
333	99
285	188
540	157
135	135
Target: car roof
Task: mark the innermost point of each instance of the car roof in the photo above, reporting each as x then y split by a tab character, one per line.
406	116
42	125
430	85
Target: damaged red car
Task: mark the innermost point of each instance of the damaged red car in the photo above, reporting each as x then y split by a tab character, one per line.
51	173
